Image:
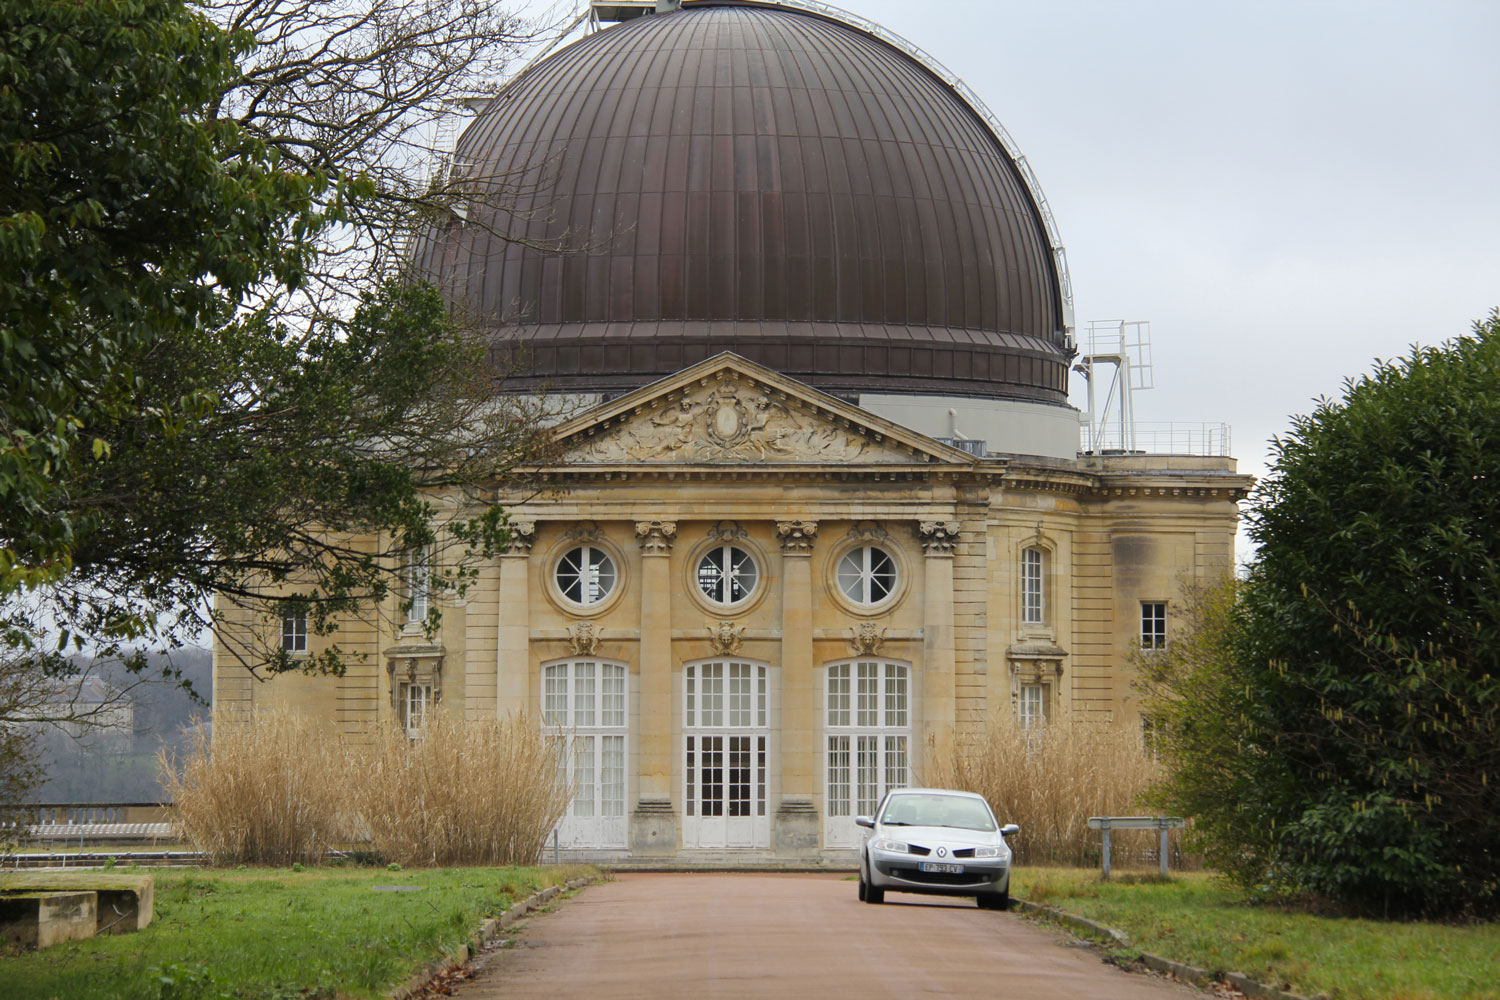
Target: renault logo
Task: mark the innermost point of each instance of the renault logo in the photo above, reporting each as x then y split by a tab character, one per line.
942	852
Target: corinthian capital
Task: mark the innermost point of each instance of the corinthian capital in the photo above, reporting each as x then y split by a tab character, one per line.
937	537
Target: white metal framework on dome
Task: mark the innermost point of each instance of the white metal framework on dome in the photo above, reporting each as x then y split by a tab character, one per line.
928	62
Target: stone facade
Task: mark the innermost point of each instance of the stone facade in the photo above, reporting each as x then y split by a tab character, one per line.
749	594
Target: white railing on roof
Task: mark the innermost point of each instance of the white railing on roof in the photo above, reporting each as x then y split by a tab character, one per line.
1163	437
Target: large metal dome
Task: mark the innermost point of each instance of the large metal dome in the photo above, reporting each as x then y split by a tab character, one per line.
758	179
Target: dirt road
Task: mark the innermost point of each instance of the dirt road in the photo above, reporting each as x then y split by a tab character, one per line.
789	936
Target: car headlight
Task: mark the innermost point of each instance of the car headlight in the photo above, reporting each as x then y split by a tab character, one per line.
986	852
890	846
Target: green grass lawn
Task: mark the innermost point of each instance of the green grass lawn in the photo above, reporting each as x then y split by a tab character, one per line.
278	934
1198	920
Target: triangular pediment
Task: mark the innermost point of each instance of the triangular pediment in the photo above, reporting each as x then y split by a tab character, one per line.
731	411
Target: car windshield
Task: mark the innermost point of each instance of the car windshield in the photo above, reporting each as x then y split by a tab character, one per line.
938	810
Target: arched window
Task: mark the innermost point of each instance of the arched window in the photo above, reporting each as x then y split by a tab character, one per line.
868	740
587	701
1033	586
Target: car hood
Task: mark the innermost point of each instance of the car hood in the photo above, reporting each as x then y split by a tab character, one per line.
924	835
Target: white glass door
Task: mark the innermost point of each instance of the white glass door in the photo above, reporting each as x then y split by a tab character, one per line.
867	738
585	701
726	744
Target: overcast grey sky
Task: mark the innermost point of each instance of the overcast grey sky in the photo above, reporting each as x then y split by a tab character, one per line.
1286	190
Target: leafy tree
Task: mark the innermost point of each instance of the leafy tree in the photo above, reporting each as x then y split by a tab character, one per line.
1334	722
126	212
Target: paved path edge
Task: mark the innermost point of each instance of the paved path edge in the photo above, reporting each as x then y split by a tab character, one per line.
1187	973
488	931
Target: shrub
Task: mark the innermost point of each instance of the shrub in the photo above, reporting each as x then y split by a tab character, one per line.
476	792
1049	781
266	789
1339	734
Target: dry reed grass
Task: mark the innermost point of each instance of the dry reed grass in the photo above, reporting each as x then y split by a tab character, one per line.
267	789
1050	781
477	792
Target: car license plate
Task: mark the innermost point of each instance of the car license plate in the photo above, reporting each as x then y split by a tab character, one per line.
935	866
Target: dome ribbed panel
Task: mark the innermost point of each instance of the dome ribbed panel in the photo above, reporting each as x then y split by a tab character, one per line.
755	180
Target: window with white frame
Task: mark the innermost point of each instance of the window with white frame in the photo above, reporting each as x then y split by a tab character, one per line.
419	586
294	632
1153	624
1033	580
1031	705
867	574
416	702
586	700
725	730
868	733
585	575
727	574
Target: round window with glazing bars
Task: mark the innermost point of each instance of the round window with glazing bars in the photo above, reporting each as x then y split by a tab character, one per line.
867	575
586	575
727	574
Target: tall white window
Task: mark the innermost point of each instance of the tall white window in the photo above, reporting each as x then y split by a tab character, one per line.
416	702
868	740
294	632
1031	706
419	586
1153	624
586	700
1033	607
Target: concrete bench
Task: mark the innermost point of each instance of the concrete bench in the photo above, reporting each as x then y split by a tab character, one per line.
118	902
41	919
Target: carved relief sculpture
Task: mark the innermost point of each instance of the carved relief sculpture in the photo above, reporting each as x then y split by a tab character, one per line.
866	638
732	422
584	638
726	638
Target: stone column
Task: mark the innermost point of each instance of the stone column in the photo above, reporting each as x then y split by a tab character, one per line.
796	826
653	826
939	670
513	643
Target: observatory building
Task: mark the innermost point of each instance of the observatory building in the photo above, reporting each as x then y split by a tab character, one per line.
822	505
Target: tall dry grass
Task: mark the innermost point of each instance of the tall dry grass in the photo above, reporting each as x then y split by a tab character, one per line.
272	789
1050	781
266	790
477	792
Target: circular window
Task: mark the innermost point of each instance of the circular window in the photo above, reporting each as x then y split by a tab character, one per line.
727	574
867	575
586	575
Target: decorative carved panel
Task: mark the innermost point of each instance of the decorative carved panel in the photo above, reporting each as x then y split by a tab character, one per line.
726	638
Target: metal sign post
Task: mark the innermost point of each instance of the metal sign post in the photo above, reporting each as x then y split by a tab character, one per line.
1162	823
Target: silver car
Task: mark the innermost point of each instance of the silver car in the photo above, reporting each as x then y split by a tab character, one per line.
933	840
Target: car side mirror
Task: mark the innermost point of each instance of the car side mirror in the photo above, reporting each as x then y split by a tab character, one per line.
864	821
1009	829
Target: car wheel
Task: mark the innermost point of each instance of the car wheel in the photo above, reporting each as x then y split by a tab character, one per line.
994	900
863	888
874	894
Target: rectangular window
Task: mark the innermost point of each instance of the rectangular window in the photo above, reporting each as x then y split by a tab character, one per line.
1030	707
419	586
1153	624
869	724
416	699
1032	608
294	633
